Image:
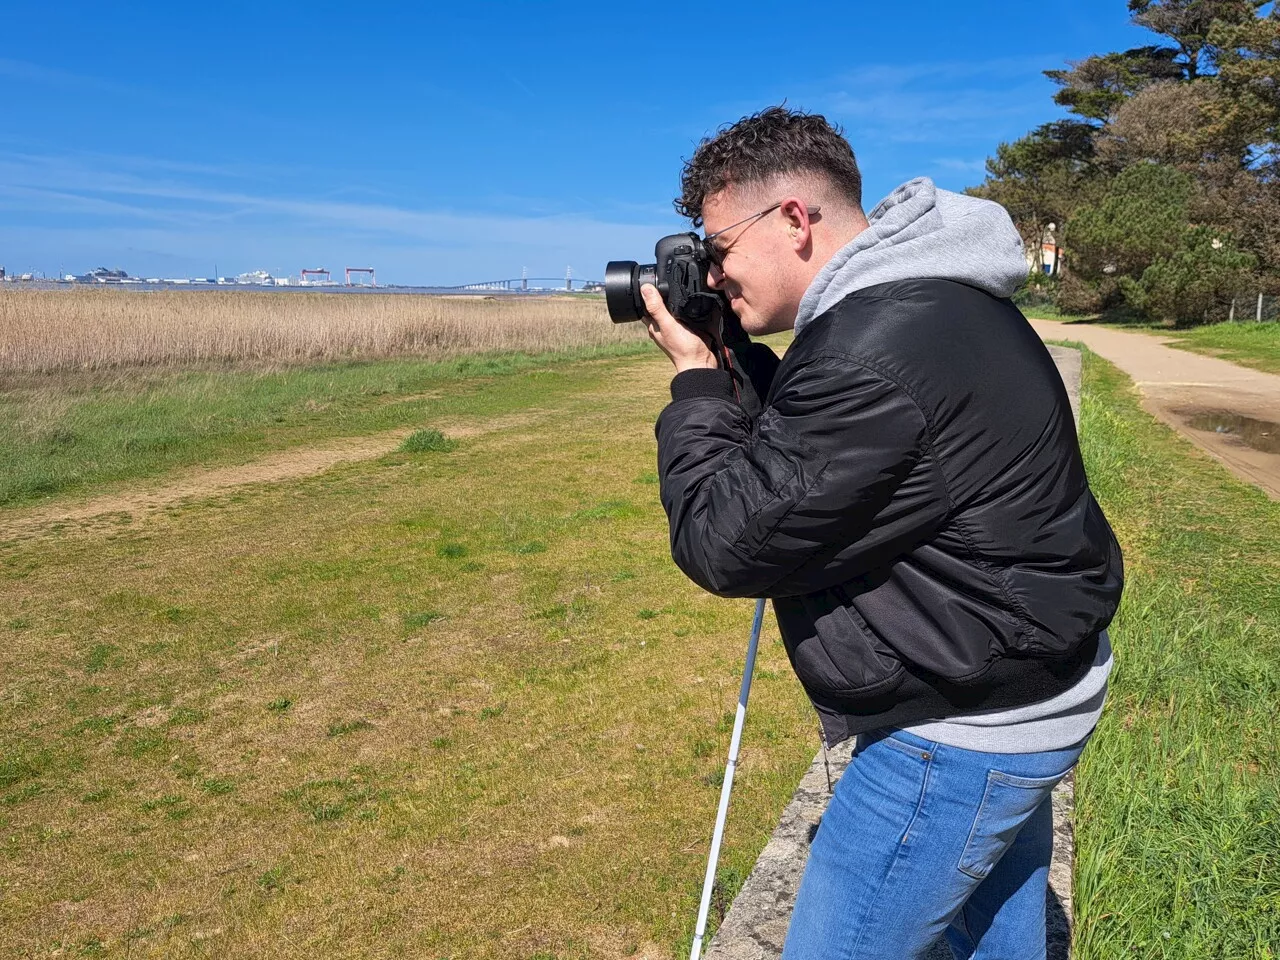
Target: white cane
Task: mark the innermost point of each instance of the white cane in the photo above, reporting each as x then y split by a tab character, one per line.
701	929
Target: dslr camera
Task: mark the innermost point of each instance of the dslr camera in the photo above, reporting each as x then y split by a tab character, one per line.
680	274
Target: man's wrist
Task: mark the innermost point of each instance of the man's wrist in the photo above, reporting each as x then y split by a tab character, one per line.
696	363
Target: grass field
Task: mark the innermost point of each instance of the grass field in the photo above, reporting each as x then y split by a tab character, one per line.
452	703
75	431
1254	345
102	385
458	703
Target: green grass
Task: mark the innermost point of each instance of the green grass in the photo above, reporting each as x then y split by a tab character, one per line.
427	441
457	703
1048	311
1254	345
75	432
1178	795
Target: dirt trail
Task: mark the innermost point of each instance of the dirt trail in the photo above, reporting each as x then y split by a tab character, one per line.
276	467
645	381
1229	411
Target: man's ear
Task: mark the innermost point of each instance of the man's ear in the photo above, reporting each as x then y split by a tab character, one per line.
796	212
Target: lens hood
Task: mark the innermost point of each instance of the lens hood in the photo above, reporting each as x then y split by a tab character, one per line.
622	291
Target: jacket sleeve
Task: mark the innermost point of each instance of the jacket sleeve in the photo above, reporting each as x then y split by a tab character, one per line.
830	482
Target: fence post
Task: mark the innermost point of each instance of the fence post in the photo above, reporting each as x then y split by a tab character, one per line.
1259	317
1232	315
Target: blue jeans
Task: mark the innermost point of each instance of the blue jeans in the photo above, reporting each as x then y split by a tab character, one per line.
922	841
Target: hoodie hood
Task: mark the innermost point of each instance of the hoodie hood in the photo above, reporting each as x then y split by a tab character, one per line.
920	232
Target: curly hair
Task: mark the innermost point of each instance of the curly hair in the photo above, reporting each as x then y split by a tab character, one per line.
772	142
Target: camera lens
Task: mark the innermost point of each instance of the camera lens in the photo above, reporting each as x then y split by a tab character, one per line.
622	281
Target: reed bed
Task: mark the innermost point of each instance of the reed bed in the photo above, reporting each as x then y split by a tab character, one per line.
43	331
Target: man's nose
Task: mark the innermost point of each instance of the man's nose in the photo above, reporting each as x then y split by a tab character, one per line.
715	276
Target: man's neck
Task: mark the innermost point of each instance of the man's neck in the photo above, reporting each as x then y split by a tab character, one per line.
828	243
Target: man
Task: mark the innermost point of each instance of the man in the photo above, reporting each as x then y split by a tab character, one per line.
908	490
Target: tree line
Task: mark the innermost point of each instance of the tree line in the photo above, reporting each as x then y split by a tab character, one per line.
1162	186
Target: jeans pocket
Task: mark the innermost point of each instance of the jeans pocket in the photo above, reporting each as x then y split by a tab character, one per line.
1006	805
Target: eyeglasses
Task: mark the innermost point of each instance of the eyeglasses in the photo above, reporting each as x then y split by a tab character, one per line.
717	253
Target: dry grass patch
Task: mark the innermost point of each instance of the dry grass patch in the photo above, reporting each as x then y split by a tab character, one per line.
43	331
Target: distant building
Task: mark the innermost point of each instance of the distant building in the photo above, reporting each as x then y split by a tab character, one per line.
103	275
1049	257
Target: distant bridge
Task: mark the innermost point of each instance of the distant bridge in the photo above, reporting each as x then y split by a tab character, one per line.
530	285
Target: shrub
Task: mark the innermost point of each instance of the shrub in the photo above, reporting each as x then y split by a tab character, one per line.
1195	283
1077	295
1040	290
427	441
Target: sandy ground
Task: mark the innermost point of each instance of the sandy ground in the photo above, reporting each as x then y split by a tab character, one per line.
1192	393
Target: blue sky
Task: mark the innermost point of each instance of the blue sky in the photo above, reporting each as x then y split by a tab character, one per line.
448	143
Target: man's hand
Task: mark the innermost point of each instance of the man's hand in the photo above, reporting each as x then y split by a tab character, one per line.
687	350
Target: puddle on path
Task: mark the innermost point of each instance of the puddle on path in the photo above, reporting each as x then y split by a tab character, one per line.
1261	435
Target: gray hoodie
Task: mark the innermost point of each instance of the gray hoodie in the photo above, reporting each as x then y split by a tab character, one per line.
919	231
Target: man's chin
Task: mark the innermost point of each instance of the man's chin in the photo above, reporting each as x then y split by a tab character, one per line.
753	324
750	320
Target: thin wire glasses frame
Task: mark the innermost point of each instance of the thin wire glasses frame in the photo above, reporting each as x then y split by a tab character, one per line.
717	254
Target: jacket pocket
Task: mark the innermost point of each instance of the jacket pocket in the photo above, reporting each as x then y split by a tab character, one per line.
832	650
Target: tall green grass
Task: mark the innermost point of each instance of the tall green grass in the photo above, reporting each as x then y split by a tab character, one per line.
1178	816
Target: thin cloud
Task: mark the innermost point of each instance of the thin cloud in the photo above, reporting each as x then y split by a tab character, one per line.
937	101
960	165
37	75
71	176
899	74
199	213
14	197
34	73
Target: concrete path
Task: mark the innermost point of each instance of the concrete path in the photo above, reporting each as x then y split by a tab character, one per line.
1229	411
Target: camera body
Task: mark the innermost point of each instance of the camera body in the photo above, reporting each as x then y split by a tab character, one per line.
679	273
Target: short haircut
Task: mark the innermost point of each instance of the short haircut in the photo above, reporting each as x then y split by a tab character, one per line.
774	142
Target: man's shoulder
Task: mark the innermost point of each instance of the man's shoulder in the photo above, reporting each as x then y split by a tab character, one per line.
928	335
910	315
922	302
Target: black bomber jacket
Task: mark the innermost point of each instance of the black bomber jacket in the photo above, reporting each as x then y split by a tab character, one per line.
909	492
